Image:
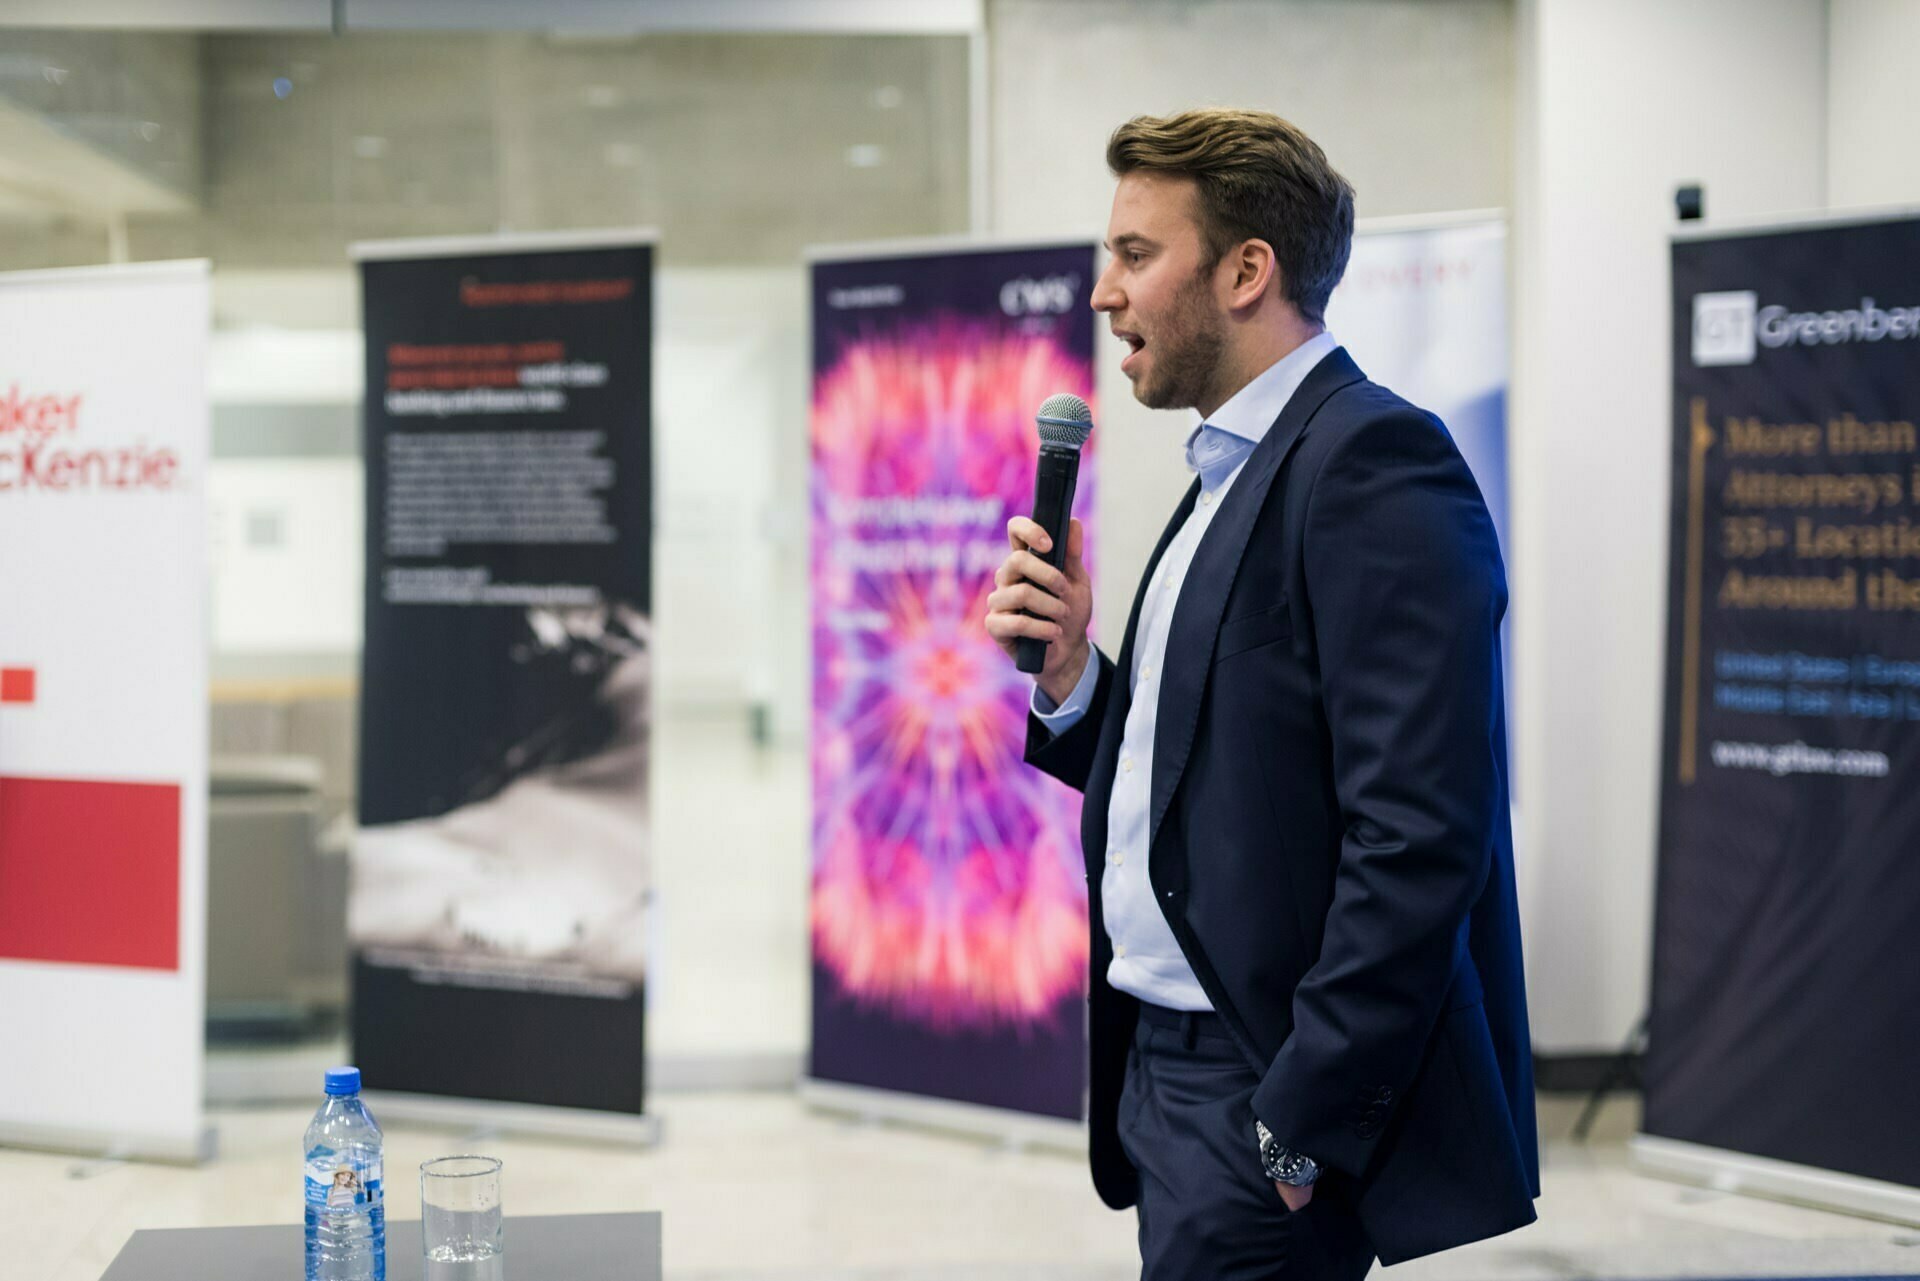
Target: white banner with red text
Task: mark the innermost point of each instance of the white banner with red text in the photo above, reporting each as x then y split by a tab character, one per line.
103	707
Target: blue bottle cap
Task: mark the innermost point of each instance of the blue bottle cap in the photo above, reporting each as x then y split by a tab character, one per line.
343	1080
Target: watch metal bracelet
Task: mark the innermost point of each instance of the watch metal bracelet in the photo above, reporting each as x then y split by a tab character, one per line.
1284	1165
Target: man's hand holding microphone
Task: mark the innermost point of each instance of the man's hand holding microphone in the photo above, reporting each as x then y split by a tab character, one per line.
1042	602
1033	599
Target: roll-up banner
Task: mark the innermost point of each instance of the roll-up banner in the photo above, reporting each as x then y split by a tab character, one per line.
1423	310
500	893
1784	979
103	708
948	893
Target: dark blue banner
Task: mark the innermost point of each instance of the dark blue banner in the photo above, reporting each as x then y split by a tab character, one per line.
1784	975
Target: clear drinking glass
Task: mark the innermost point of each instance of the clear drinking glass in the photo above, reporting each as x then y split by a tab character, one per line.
460	1219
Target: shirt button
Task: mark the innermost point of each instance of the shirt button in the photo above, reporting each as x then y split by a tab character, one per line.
1146	673
1120	949
1118	858
1126	764
1206	500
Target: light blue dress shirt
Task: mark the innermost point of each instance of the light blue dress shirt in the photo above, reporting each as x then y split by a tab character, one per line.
1147	961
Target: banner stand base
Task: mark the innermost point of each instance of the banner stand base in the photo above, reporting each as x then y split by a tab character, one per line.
1014	1130
113	1148
623	1129
1726	1171
247	1077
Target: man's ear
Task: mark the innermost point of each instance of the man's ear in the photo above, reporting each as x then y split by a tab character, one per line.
1254	269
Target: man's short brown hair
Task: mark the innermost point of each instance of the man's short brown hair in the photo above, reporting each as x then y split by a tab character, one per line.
1260	178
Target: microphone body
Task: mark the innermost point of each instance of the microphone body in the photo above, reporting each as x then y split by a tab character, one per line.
1065	422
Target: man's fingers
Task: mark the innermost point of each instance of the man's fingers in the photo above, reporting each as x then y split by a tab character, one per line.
1005	627
1026	596
1023	531
1024	565
1076	569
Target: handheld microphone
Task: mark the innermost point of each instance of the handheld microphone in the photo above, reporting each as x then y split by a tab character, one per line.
1065	423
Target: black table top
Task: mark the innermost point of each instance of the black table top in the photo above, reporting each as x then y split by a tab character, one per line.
563	1247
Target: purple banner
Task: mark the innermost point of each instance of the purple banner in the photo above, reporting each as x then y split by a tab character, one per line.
948	896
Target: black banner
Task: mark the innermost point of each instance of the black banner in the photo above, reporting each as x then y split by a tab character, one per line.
500	879
1784	976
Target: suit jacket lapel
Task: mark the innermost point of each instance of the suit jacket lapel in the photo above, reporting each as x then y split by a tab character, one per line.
1203	595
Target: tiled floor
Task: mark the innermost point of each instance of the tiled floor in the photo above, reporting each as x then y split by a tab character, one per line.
755	1186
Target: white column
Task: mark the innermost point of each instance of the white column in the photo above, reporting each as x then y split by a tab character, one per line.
1873	134
1618	104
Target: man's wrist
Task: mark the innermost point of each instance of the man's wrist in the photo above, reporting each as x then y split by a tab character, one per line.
1060	685
1283	1164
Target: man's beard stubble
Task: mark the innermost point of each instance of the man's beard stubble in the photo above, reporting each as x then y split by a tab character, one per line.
1187	361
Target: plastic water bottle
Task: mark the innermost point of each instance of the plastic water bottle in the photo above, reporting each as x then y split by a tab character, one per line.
346	1217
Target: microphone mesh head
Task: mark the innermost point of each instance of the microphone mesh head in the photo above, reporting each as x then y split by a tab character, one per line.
1065	419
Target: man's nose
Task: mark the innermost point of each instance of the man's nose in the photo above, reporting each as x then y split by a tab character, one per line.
1107	297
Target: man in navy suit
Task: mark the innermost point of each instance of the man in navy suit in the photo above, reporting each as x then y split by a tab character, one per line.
1307	1015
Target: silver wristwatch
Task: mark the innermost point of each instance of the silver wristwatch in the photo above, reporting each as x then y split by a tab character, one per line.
1284	1165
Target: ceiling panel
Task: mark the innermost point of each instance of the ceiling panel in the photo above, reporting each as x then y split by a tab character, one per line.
785	16
170	15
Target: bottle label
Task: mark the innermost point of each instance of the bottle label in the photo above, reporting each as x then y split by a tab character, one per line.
343	1181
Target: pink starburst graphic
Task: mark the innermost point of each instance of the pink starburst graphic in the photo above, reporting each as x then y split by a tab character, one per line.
947	880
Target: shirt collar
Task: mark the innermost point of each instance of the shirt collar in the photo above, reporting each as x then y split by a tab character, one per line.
1252	410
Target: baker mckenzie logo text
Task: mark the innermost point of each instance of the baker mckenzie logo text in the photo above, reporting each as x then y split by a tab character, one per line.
39	450
1730	327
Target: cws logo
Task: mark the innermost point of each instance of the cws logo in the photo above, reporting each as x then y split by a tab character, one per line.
1047	296
1723	327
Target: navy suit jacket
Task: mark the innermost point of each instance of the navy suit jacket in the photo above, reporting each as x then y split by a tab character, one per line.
1329	833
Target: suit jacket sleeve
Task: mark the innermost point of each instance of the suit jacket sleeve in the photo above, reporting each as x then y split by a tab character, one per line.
1069	756
1405	591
